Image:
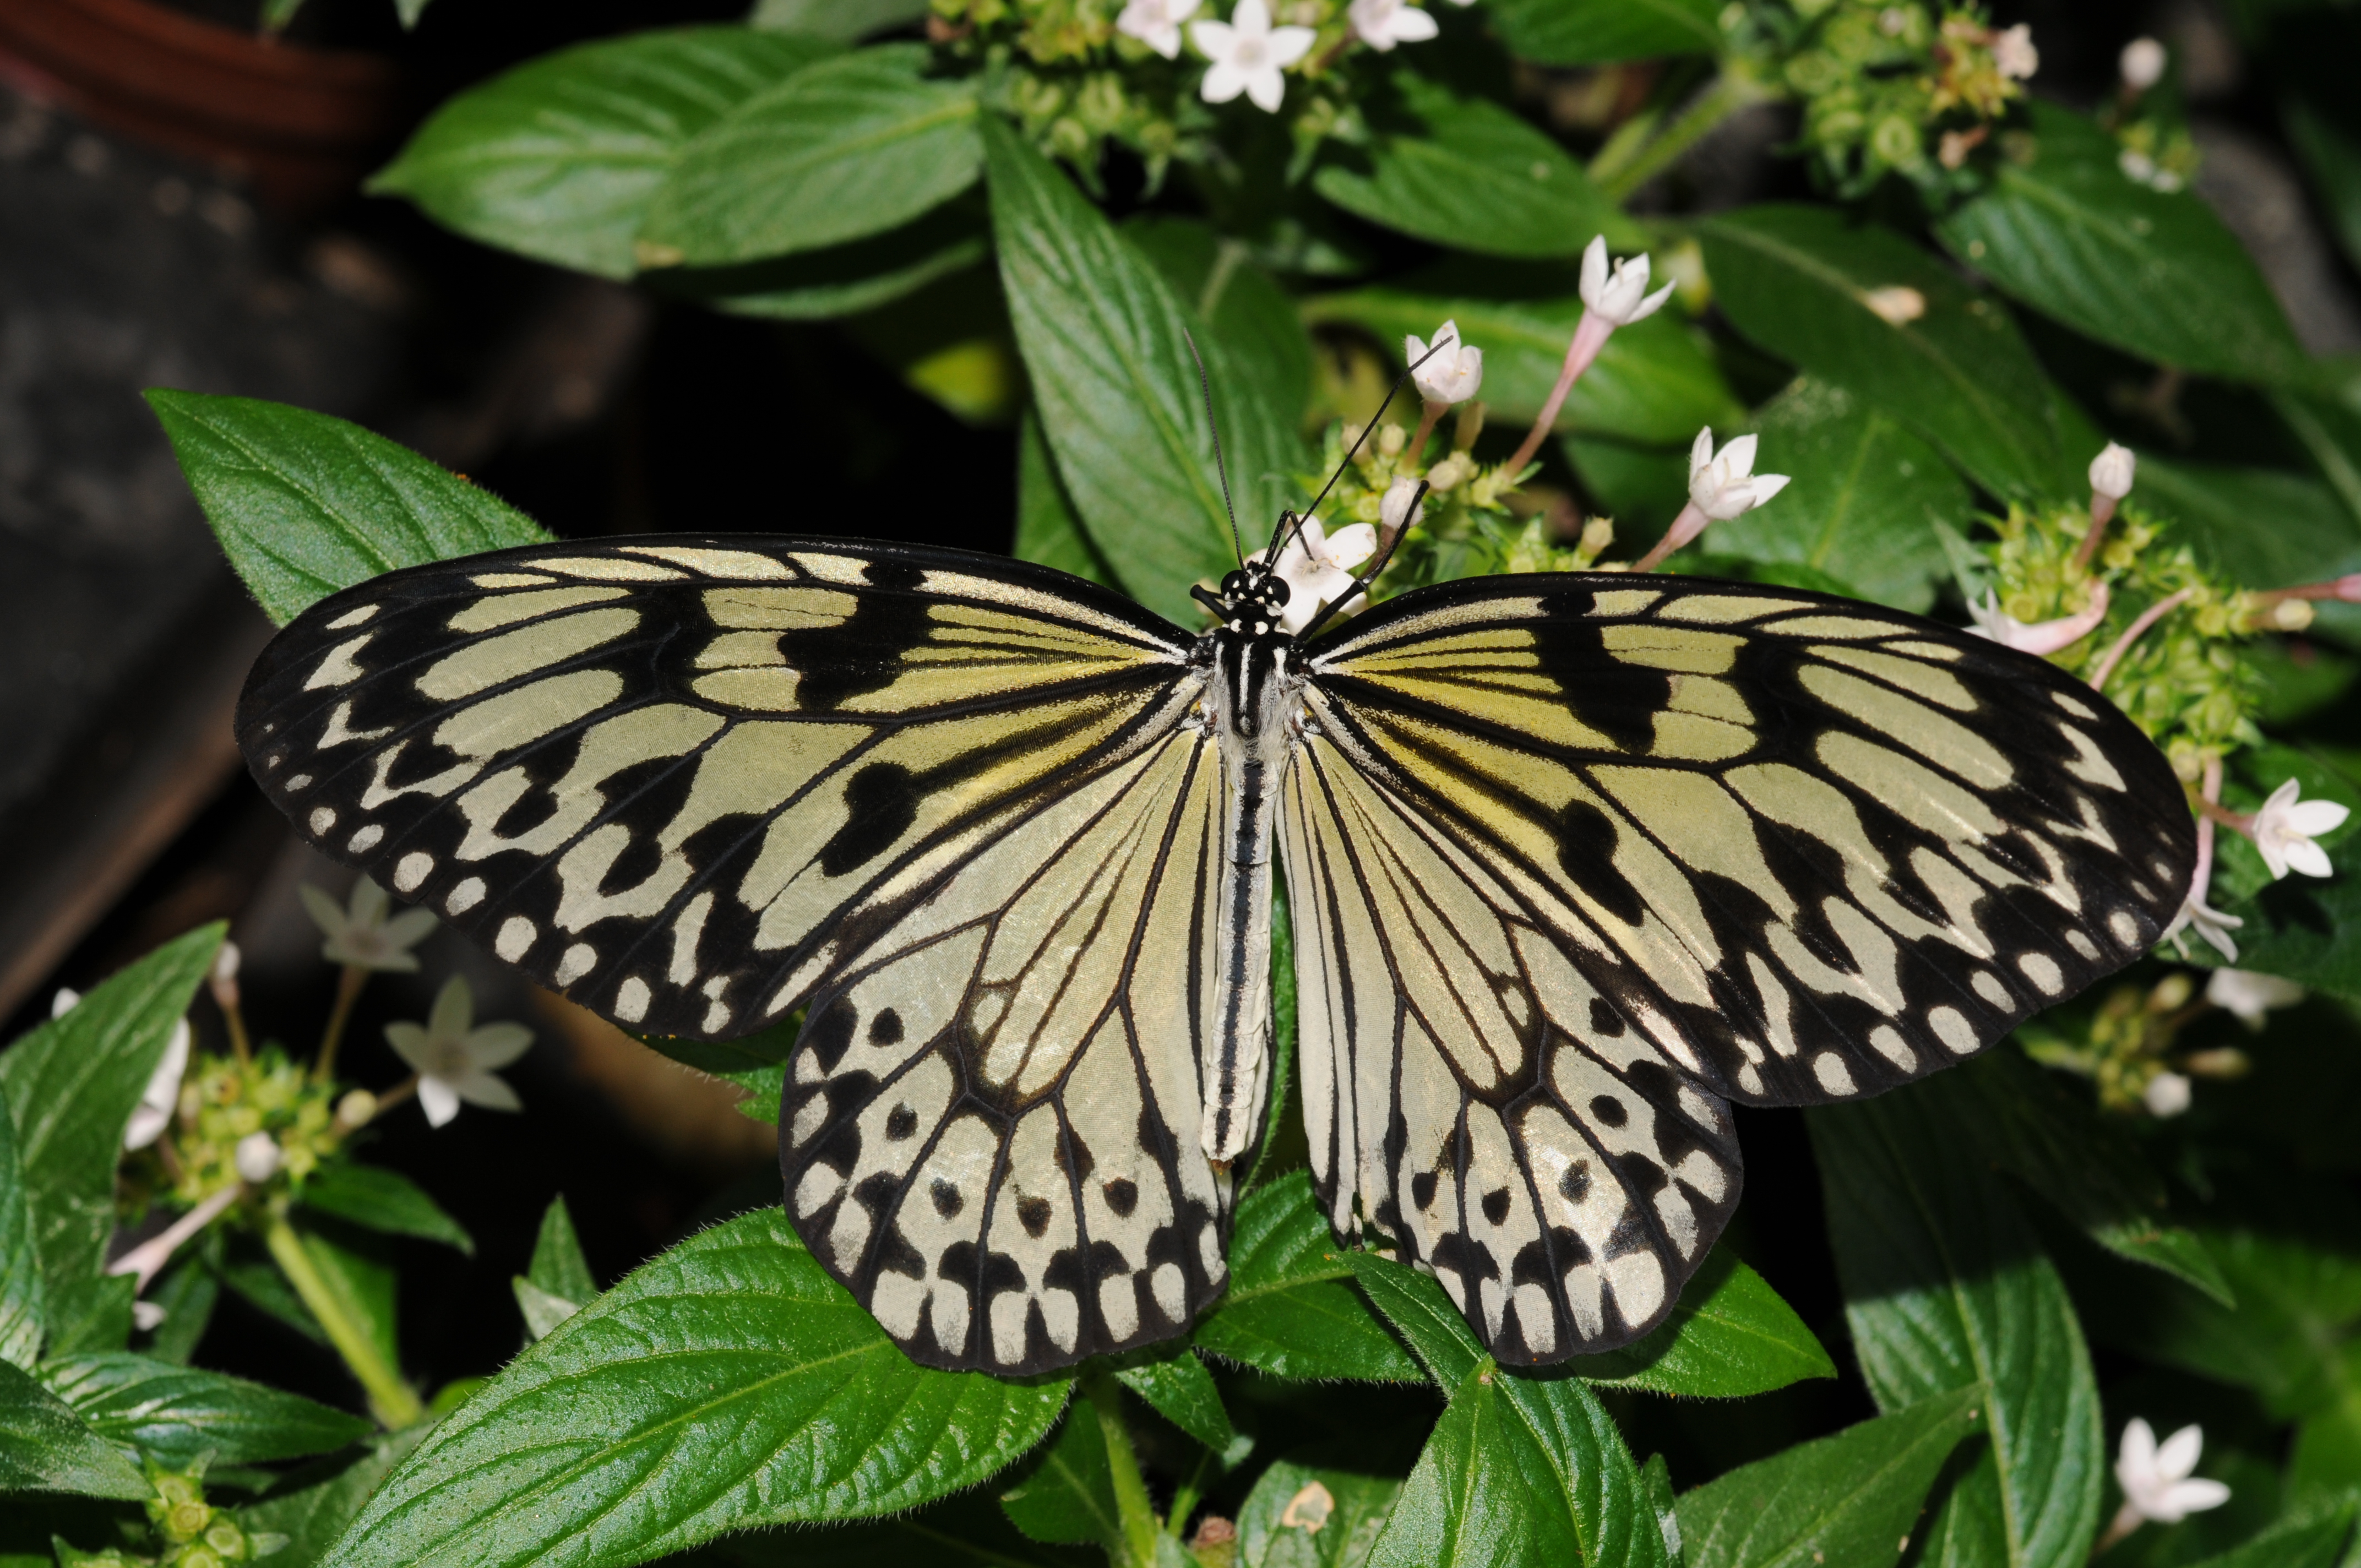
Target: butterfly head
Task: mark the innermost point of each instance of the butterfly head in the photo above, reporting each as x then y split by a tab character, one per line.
1252	601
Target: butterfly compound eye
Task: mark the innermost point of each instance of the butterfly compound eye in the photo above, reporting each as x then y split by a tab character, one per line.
1233	584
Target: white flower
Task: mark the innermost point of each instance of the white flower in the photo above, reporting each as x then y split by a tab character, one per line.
2250	996
1318	567
453	1059
64	1001
2142	63
2043	637
163	1092
2167	1094
2014	54
1724	486
2157	1481
1621	297
2208	923
2112	472
1395	508
1381	23
2285	828
359	934
1157	23
1895	304
257	1157
147	1317
1248	55
1453	374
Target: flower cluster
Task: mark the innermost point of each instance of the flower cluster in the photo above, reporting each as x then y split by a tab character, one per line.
2146	119
2130	1049
192	1532
1896	88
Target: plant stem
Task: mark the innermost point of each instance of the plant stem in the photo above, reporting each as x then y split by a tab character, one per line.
1137	1514
390	1400
1622	167
348	991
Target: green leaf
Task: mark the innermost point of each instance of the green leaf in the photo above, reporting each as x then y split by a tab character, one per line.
1289	1310
1301	1515
1100	332
1218	279
839	279
263	1288
1729	1335
355	1269
2311	536
845	149
1593	32
843	20
1177	1387
1657	1478
172	1414
2323	129
186	1293
764	1088
378	1200
20	1265
1946	1288
2327	1456
542	1310
956	1533
1863	496
313	1504
766	1046
558	1265
1520	1469
1467	174
1047	528
558	159
729	1383
2052	1138
1800	282
1065	1494
71	1085
2065	231
1653	384
304	504
1850	1498
45	1447
2306	1539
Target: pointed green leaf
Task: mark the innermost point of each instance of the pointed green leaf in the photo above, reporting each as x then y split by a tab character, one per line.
172	1413
1301	1515
20	1265
1850	1498
840	151
2310	1539
71	1085
1177	1386
311	1504
1593	32
558	1265
1946	1288
1289	1309
1468	174
2312	535
45	1447
558	159
840	281
1729	1335
543	1309
1065	1494
2064	229
1217	277
1859	305
1521	1468
378	1200
1048	529
729	1383
1102	338
304	504
186	1294
766	1046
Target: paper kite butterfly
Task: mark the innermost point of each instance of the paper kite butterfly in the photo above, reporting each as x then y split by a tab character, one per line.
1574	862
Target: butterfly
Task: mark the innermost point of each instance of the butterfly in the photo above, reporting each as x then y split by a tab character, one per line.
1575	862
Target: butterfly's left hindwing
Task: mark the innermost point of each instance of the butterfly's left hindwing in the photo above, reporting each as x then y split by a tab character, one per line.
1579	858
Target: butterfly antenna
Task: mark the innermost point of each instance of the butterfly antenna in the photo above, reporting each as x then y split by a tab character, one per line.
1205	386
1410	370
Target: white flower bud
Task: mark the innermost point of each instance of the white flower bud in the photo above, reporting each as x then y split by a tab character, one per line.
157	1102
2142	63
257	1157
2167	1094
1395	509
2112	472
1157	23
225	963
2014	54
64	1001
1621	297
1726	485
1452	371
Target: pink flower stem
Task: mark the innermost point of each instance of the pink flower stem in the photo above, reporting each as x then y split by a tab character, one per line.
1589	337
2103	512
2348	588
1426	423
1686	527
2148	618
148	1259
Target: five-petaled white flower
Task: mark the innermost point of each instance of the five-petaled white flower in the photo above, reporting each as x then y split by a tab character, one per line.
2167	1094
2014	54
2208	923
1250	55
1453	372
455	1060
1620	296
257	1157
2157	1479
154	1113
1157	23
1317	566
1723	485
2249	996
361	934
2285	828
2113	470
1381	23
2042	637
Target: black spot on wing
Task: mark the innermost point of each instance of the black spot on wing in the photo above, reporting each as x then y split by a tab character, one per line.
881	802
865	652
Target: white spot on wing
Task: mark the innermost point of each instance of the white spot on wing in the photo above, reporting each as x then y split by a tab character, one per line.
1834	1075
1951	1028
632	1003
580	959
2042	970
353	618
465	896
515	939
2082	945
1889	1044
322	820
1988	986
362	842
411	871
338	669
2125	926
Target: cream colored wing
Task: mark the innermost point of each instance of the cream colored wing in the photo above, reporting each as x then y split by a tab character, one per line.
1711	841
